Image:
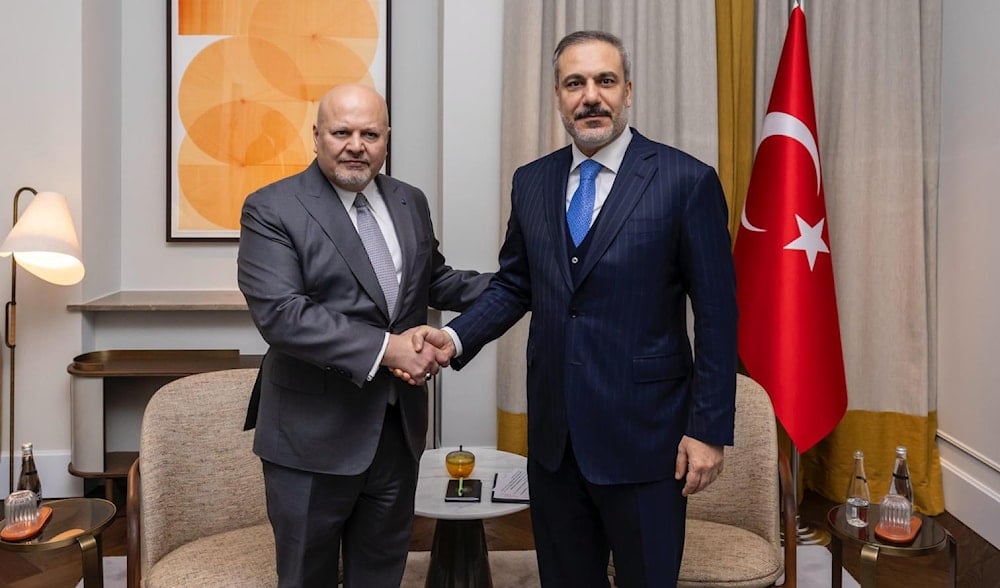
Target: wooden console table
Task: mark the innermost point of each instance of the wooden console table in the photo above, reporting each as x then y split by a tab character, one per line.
90	371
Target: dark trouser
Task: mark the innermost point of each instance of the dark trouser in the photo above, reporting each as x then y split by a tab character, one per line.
577	524
369	516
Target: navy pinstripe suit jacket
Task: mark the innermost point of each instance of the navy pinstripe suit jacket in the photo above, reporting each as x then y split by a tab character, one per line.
608	357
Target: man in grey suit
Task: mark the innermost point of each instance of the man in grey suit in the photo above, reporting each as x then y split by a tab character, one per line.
336	263
606	240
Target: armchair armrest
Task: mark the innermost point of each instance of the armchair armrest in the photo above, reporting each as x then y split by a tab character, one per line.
789	517
133	571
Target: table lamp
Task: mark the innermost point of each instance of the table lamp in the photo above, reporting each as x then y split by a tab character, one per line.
43	241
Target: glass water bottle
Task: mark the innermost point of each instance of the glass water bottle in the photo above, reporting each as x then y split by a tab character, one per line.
901	476
858	496
29	473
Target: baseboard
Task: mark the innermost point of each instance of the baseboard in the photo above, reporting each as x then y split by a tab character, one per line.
53	470
971	489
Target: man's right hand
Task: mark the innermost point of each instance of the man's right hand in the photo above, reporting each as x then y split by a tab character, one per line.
439	339
424	341
414	362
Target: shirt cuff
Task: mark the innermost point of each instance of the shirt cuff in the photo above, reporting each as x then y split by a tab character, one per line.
378	359
454	337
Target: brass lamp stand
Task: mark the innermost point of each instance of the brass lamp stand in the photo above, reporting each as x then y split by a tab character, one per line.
44	242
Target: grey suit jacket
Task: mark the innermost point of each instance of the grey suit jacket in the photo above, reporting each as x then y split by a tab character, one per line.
315	299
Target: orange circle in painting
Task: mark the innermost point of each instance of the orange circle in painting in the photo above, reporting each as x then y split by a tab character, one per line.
242	133
244	100
321	62
225	71
352	19
333	42
216	191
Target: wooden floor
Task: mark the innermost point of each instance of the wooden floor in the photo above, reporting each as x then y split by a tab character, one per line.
978	561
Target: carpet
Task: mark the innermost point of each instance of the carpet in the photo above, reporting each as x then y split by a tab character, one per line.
517	569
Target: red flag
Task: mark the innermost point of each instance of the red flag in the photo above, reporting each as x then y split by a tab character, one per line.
789	331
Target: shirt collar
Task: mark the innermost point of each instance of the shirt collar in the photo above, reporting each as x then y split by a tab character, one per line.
347	197
610	156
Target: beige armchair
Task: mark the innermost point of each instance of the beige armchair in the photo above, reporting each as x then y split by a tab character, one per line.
732	537
195	504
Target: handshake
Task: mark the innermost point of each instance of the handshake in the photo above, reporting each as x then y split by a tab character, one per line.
417	354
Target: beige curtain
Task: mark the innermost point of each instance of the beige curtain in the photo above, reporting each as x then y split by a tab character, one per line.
673	51
876	78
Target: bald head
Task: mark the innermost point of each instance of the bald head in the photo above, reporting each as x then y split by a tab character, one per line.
351	135
349	96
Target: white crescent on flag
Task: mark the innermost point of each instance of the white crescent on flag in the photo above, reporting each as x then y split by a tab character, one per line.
784	124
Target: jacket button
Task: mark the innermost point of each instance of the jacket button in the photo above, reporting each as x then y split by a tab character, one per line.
573	312
574	260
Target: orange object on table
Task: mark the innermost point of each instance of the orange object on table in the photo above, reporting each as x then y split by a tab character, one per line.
23	531
894	534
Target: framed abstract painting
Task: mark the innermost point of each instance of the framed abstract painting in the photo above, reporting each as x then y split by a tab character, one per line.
245	79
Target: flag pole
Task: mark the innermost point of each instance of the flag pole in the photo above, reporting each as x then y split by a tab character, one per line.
805	534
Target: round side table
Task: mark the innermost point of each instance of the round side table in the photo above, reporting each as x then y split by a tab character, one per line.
458	553
931	539
74	520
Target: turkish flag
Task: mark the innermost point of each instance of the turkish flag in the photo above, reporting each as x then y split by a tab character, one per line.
789	331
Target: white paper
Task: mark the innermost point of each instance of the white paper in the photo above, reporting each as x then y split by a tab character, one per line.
511	486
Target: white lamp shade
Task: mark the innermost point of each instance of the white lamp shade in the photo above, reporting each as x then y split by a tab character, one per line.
44	241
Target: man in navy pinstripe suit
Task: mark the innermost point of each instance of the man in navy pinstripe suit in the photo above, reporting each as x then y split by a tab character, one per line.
623	422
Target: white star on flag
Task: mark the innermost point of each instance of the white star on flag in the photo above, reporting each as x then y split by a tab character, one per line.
810	240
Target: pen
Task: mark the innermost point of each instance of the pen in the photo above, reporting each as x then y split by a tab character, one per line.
460	486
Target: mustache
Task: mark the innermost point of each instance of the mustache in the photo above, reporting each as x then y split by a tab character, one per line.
593	110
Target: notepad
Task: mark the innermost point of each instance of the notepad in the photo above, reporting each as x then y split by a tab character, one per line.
510	486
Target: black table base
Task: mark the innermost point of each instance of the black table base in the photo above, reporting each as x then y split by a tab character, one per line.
459	556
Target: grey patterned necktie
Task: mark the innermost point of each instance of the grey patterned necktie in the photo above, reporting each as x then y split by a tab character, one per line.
378	251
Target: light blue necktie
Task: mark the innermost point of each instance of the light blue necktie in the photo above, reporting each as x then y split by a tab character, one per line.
581	207
378	251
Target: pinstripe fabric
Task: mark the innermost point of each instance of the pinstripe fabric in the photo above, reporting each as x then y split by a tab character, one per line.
608	357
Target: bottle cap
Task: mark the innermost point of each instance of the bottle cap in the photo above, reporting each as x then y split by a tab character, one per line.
901	451
858	454
26	446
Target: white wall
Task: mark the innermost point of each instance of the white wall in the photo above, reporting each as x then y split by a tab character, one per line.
94	93
40	146
471	66
968	267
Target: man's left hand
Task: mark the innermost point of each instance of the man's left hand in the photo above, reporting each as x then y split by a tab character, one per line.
700	462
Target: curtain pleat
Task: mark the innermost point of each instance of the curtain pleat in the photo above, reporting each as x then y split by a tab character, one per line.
735	47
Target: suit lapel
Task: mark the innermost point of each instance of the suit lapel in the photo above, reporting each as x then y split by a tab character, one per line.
323	204
633	178
554	192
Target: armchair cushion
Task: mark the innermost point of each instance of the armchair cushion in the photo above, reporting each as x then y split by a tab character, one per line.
219	560
746	555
